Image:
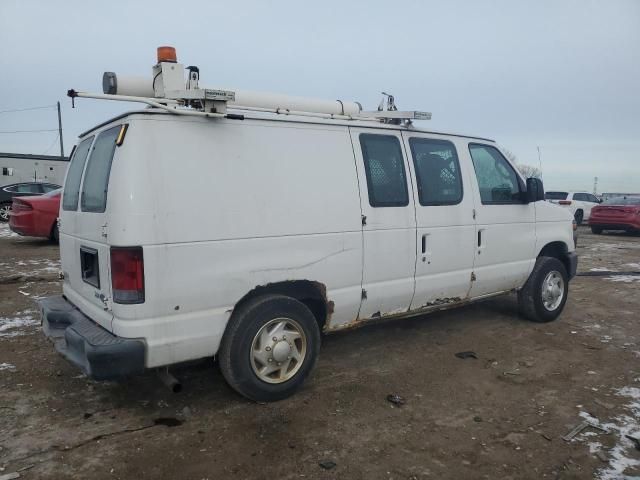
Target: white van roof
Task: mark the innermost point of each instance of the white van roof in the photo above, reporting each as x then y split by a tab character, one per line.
294	119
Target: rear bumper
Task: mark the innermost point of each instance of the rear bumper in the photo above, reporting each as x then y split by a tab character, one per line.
97	352
615	224
572	260
21	224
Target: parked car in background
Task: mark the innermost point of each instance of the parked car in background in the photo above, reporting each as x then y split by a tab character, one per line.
8	192
618	213
36	216
579	203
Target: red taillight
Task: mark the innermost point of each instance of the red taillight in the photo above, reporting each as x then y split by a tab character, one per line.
127	274
565	202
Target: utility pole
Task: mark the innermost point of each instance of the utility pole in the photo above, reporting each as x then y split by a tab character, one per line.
595	185
60	131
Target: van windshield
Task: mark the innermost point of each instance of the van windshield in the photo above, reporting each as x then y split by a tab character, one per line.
96	178
72	183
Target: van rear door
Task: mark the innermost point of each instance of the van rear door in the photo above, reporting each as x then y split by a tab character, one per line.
83	244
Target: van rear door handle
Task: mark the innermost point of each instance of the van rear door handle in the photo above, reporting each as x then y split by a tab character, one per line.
424	244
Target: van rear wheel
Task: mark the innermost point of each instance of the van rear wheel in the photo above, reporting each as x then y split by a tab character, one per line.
269	348
544	296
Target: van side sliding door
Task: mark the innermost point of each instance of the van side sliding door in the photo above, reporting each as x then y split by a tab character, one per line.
445	224
388	222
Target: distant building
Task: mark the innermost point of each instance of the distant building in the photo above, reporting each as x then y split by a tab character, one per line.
20	167
612	195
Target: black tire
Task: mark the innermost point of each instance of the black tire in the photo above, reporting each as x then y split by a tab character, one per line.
530	299
596	230
5	208
579	216
236	348
55	235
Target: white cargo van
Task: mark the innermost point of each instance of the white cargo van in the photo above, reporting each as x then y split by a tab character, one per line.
188	231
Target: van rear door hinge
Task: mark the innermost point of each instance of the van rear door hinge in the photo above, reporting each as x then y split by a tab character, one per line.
474	213
104	230
473	276
364	294
364	220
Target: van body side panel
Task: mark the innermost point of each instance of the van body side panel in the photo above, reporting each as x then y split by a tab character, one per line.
553	224
228	206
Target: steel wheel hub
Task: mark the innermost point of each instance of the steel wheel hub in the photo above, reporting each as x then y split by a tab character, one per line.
552	290
278	350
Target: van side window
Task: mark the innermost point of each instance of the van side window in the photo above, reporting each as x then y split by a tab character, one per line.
437	171
72	183
384	168
96	178
497	180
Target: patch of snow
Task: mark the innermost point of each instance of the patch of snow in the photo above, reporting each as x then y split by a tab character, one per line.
624	278
633	265
621	456
600	269
6	232
19	325
7	366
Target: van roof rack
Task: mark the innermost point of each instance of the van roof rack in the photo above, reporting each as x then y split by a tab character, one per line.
167	90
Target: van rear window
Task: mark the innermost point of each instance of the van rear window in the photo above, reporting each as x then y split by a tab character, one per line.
96	177
72	183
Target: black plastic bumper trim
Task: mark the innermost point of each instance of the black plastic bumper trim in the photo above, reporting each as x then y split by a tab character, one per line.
100	354
572	257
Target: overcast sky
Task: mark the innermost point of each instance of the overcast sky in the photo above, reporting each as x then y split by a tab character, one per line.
561	75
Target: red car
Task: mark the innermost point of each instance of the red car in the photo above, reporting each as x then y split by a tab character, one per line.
36	216
618	213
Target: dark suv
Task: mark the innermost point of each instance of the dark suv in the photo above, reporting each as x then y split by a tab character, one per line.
21	190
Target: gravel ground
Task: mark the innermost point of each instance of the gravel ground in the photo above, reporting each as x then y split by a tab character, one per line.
500	415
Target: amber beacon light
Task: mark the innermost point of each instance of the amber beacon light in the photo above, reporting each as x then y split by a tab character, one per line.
167	54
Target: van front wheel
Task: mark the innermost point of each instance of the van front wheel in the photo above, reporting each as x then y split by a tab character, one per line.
269	348
543	297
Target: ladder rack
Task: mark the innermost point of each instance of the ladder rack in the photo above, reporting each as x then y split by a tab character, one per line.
167	90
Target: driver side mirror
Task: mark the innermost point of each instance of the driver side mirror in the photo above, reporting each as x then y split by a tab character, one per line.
535	190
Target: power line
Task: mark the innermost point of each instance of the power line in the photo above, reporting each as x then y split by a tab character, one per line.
55	140
29	131
27	109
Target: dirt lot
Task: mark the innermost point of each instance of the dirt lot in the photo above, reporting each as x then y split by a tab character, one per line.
501	415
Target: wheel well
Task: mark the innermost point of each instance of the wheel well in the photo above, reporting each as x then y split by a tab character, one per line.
312	294
557	250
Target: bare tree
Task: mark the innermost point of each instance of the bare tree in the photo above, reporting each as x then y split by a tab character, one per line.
527	171
510	155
